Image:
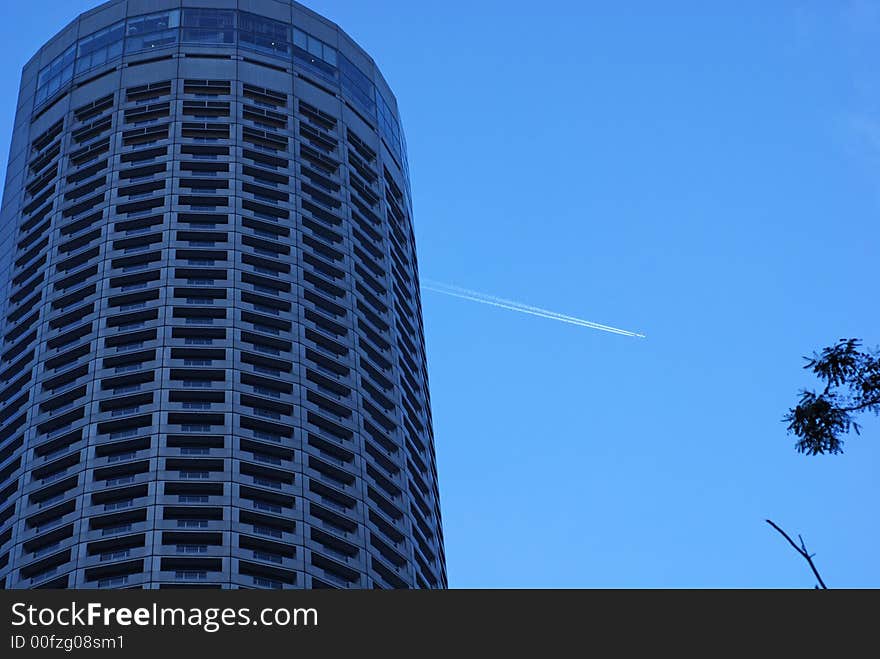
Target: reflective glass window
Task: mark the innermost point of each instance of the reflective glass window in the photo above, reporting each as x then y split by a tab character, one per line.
388	125
357	87
300	39
263	35
213	26
55	75
405	167
314	55
100	47
152	31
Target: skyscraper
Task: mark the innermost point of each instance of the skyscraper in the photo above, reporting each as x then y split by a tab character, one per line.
213	368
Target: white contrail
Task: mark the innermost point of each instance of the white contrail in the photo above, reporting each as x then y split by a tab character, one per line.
491	300
524	307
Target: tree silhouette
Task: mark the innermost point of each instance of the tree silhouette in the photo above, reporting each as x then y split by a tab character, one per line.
852	385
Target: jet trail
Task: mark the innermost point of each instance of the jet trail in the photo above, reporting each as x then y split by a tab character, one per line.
511	305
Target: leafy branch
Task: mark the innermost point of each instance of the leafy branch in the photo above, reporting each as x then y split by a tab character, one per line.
852	385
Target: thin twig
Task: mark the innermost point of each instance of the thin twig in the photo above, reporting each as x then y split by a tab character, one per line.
802	550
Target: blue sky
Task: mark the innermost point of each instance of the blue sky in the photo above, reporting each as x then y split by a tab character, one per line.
706	173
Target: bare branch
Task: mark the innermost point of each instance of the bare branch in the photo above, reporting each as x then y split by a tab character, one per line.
802	550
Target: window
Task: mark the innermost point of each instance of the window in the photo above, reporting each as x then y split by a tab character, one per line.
116	505
212	26
314	55
120	457
44	574
192	498
115	555
267	530
134	345
58	73
266	328
266	556
191	575
51	500
197	384
267	583
126	389
151	31
271	507
121	480
113	582
192	549
120	434
45	549
194	450
119	528
271	459
194	475
192	523
263	34
100	47
388	125
357	87
267	482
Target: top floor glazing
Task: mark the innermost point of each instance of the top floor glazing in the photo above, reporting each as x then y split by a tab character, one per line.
102	43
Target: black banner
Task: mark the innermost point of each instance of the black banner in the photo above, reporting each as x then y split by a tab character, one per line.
411	623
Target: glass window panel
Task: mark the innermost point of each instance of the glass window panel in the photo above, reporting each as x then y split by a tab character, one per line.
315	55
354	74
152	31
357	86
209	18
209	26
263	34
208	35
359	98
56	74
100	47
68	57
43	77
100	40
151	40
264	26
313	64
316	47
153	22
405	166
300	39
263	44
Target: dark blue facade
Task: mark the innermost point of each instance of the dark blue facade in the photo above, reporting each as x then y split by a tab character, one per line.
213	369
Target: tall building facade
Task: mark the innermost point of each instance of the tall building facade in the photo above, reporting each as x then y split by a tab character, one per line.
213	368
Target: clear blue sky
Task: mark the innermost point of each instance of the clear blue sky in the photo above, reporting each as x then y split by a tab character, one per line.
704	172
